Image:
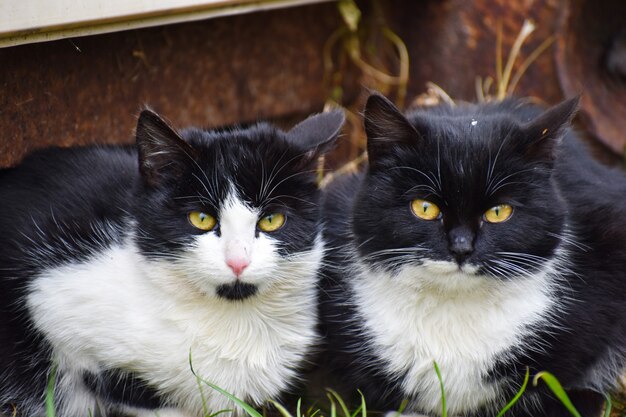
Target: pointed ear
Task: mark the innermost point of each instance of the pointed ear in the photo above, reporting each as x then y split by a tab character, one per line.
544	132
317	134
163	154
386	127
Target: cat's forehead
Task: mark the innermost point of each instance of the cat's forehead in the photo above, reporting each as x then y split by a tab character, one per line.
257	164
234	140
236	150
467	144
472	135
470	130
461	159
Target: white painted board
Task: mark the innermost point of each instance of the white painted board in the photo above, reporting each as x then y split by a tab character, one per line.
27	21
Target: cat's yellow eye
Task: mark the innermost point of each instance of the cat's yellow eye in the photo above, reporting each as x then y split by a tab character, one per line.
425	210
202	220
499	213
272	222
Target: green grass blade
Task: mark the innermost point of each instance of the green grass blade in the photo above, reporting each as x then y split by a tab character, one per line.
217	413
309	411
403	405
205	410
246	407
444	408
282	410
315	413
557	389
356	412
517	396
333	406
50	412
608	406
340	401
298	408
363	405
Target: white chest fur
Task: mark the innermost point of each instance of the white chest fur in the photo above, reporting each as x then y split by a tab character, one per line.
113	311
463	322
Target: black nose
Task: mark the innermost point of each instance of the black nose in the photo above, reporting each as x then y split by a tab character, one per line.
461	242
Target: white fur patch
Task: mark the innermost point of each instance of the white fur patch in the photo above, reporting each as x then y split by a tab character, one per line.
163	412
438	312
120	310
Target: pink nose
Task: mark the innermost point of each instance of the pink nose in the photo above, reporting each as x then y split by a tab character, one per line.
237	265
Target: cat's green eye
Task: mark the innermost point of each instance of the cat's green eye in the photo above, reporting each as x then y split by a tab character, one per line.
271	222
425	210
202	220
498	214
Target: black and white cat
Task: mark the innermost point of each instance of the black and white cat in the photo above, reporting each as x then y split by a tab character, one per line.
117	263
485	238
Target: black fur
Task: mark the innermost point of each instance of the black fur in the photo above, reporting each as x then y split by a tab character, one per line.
67	205
237	291
467	159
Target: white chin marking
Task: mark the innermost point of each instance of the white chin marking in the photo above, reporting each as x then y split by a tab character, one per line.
441	267
469	269
448	267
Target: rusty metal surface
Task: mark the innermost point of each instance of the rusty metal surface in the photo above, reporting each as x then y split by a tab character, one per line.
591	59
451	42
215	72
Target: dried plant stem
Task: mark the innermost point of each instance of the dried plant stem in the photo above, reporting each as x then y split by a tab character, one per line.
327	54
403	53
351	166
374	72
527	62
527	28
348	38
498	55
506	81
487	83
483	86
321	162
440	93
480	92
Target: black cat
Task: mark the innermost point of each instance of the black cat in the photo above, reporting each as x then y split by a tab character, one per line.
485	238
118	264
